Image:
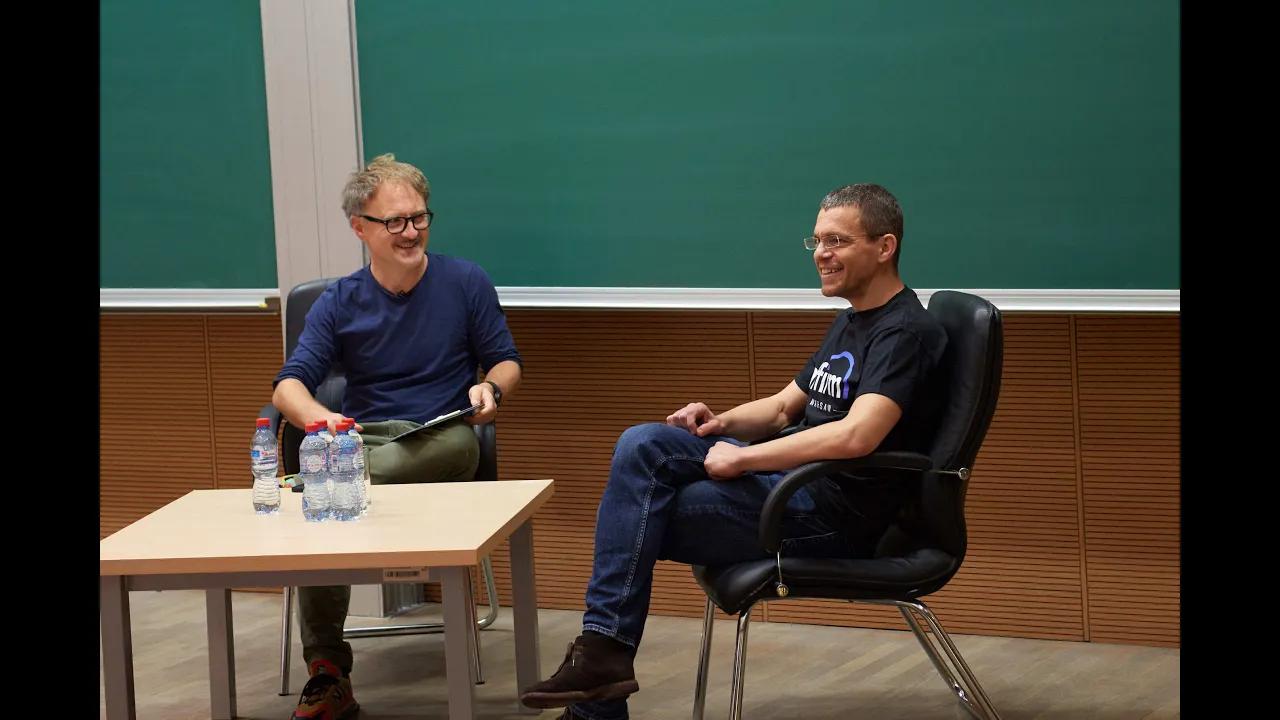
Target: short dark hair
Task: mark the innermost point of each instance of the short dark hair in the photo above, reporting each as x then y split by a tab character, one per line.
879	209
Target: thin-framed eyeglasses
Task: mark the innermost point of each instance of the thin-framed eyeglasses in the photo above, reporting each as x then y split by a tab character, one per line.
831	242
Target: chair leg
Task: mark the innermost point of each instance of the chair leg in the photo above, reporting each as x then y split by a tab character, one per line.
286	638
704	657
976	701
473	630
491	592
739	666
932	652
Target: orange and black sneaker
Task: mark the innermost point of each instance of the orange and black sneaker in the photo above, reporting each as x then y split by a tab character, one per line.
327	695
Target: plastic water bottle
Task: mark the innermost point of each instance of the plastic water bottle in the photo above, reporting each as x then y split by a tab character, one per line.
313	463
362	471
346	487
329	450
264	460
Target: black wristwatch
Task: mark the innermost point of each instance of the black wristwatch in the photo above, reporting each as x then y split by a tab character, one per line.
497	392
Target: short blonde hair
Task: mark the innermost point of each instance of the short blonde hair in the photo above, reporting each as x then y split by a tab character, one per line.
365	182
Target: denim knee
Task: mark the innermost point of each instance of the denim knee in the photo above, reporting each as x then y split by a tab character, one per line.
639	437
652	443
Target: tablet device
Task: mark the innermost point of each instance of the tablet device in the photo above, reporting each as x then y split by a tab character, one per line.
437	420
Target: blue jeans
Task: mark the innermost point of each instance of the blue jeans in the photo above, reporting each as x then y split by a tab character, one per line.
661	504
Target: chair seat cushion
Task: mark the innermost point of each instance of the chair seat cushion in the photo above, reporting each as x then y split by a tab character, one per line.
735	587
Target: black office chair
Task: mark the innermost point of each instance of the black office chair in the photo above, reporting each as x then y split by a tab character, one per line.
329	394
924	547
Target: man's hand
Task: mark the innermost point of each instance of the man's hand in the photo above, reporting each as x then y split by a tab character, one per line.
698	419
296	404
482	393
333	418
724	461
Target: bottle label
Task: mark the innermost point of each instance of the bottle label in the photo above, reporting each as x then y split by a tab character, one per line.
312	463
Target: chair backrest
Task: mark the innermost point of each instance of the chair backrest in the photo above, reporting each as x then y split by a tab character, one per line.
970	374
298	304
330	392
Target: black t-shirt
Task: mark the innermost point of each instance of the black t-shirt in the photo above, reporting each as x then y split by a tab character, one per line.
889	350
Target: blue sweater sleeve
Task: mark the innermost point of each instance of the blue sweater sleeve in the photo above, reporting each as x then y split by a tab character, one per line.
488	335
317	344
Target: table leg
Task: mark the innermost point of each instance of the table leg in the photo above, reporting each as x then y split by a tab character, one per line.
117	647
524	610
458	647
222	656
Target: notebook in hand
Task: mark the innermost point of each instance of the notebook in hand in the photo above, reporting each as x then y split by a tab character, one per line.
437	420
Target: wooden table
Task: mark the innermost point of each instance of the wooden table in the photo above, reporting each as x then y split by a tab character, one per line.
212	540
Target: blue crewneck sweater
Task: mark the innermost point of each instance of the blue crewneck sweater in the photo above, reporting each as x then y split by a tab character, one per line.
406	357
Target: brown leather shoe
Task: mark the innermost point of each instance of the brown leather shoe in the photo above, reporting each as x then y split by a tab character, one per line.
595	667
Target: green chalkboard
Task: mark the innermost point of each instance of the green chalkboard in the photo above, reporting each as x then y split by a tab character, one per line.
1033	144
185	171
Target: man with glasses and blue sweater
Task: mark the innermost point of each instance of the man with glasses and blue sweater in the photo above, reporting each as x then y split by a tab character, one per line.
410	330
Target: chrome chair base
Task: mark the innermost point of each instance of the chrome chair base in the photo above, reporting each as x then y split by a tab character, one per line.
966	689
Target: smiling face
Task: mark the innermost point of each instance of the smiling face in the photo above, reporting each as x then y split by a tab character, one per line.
847	271
394	253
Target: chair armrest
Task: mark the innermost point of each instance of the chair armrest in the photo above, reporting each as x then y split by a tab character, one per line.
487	434
776	503
788	430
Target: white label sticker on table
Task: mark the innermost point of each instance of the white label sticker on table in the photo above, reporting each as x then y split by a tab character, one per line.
404	574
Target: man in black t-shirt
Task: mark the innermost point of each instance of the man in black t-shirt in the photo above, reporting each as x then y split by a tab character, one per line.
692	489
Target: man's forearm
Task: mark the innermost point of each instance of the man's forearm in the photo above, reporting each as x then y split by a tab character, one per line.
507	374
856	434
296	403
755	420
832	441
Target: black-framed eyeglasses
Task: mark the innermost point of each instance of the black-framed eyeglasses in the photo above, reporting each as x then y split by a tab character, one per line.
397	225
831	242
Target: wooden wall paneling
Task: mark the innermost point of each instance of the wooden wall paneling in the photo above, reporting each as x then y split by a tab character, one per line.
154	413
592	373
245	353
1130	383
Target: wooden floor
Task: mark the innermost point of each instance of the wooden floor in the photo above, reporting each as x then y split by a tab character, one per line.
793	671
